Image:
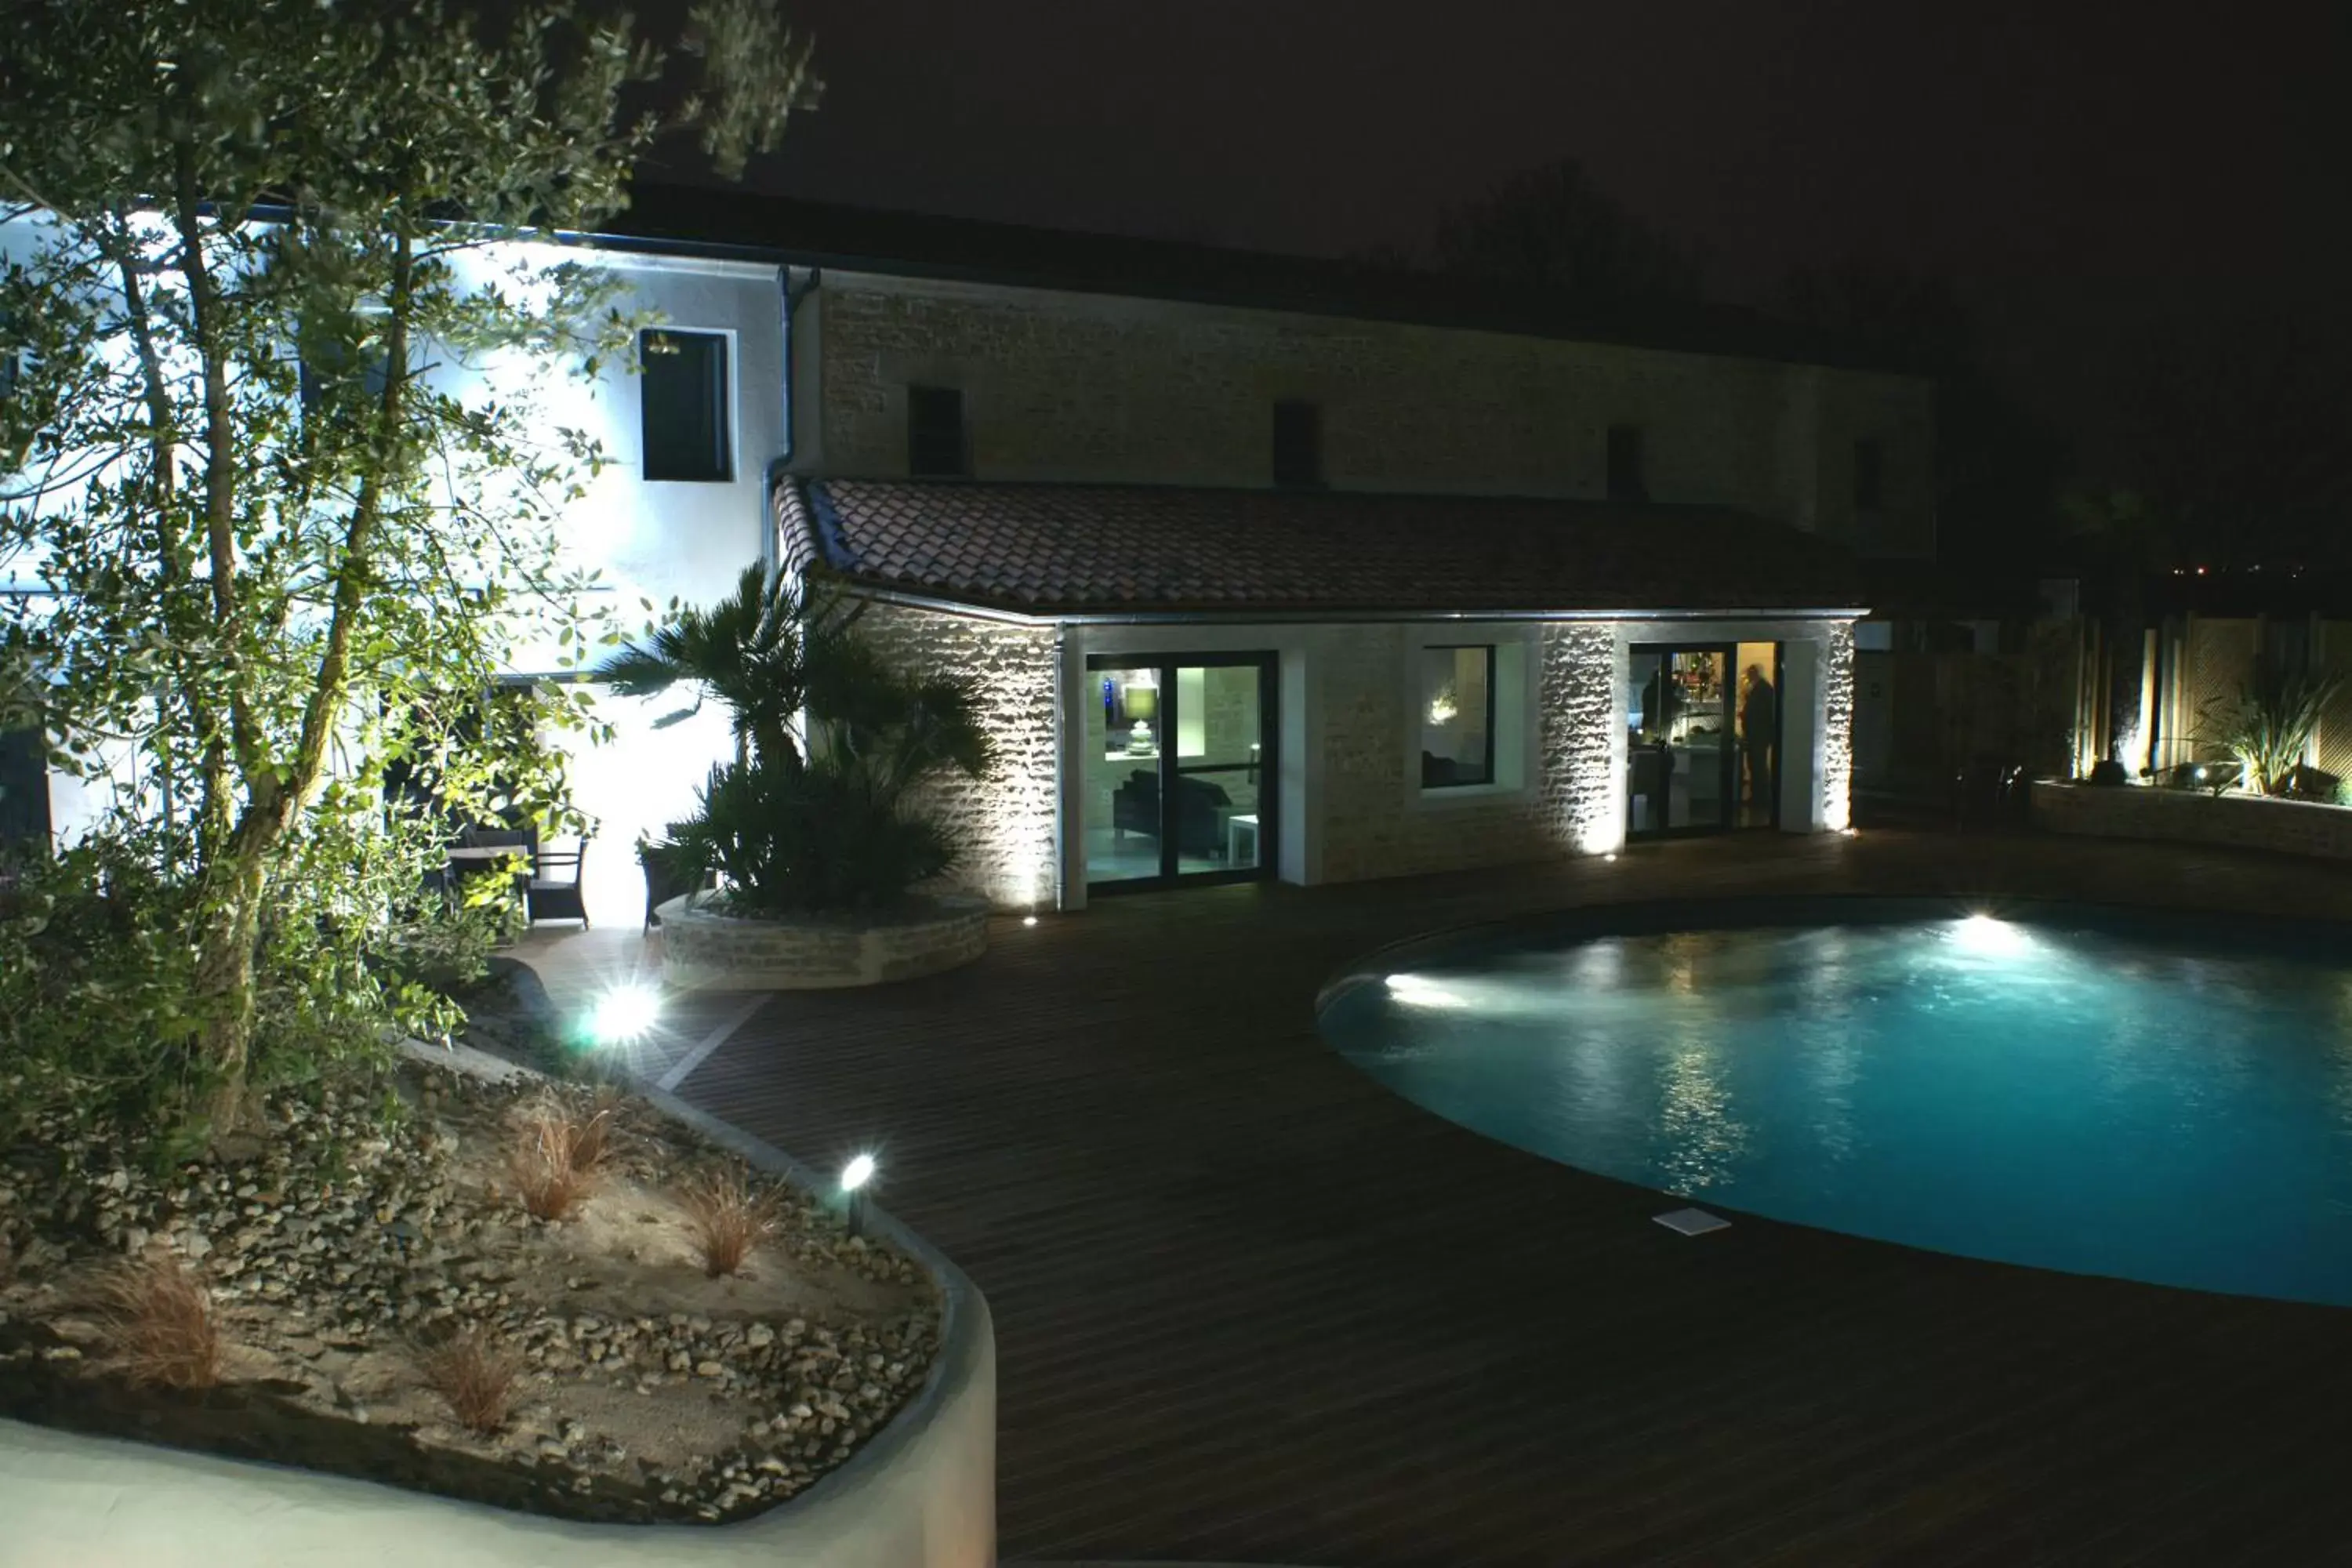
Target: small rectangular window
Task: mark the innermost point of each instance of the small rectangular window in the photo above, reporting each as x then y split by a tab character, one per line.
1298	445
684	403
1625	478
1869	474
24	788
317	380
935	438
1457	689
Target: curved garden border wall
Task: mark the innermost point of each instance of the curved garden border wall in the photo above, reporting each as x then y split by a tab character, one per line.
2189	816
921	1494
701	950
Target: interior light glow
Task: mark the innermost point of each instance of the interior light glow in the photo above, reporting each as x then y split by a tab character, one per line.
857	1173
1028	920
625	1013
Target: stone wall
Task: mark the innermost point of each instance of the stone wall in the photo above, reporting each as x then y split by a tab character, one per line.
705	951
2245	822
1837	728
1080	387
1375	820
1003	824
1585	738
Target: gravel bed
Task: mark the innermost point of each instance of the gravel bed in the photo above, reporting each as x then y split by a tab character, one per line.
366	1223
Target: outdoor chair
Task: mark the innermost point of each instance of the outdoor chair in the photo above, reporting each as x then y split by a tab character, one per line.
554	891
667	876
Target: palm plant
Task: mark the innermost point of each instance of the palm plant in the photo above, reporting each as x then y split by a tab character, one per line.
2270	725
826	821
749	651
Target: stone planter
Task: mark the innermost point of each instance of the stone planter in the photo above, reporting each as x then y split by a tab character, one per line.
920	1494
2241	821
705	950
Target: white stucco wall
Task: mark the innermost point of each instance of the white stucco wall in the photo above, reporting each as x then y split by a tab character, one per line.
648	541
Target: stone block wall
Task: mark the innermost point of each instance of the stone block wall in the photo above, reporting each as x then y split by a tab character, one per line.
1837	728
1585	738
1372	822
2245	822
1003	824
1063	386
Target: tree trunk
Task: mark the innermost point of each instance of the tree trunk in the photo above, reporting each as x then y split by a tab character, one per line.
231	927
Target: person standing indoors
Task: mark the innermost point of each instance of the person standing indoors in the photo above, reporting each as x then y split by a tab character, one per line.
1759	727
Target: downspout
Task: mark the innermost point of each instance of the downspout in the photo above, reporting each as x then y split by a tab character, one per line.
790	298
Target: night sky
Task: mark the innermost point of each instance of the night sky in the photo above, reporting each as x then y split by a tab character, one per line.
2083	176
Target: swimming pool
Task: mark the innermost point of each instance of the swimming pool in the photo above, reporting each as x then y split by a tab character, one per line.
2152	1097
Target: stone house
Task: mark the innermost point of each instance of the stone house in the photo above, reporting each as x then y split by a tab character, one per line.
1264	566
1273	568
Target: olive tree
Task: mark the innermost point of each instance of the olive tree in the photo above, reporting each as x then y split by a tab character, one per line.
268	547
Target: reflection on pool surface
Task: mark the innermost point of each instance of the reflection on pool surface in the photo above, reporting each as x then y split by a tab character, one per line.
2074	1089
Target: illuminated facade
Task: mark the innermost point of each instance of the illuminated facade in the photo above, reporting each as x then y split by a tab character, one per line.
1524	564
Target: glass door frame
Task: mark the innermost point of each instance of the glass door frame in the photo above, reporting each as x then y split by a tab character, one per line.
1163	667
1727	766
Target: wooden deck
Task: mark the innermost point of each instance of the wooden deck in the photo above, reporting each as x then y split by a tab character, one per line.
1251	1307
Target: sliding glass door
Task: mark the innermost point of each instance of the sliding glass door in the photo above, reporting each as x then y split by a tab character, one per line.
1703	739
1179	783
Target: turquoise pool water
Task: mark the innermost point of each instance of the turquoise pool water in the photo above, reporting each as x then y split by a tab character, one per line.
2080	1090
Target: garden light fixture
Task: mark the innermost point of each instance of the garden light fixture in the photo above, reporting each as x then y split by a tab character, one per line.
625	1014
854	1177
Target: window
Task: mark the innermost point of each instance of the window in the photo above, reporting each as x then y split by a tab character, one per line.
1625	481
935	444
684	405
1869	474
1297	444
24	788
1457	716
318	379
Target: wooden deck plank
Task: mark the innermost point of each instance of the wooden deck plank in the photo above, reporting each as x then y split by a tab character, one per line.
1251	1306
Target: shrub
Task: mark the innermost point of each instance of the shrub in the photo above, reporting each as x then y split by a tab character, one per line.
834	826
475	1371
159	1325
727	1217
555	1155
2269	723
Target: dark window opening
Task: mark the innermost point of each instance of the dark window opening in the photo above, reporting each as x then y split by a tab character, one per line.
684	405
1457	716
1297	444
1625	478
1869	474
24	790
935	443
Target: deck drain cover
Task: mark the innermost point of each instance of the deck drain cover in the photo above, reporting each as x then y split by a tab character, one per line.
1692	1222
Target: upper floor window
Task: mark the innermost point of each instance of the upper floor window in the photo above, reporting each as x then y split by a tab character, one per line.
1457	716
1626	480
323	374
935	438
1869	474
684	402
1297	444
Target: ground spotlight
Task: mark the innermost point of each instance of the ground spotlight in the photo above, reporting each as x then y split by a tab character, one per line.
623	1015
1028	920
854	1176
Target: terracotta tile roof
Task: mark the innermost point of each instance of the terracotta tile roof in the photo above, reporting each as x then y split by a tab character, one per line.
1046	550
